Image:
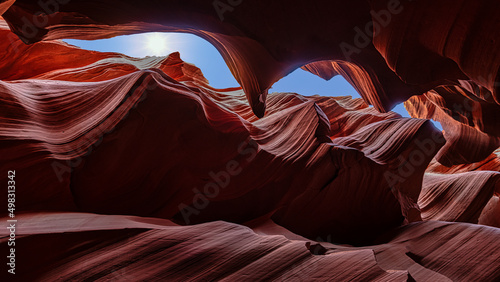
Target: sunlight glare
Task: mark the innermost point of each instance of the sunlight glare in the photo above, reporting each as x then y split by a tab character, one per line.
157	44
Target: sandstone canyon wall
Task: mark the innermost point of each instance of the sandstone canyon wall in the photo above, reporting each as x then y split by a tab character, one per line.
136	168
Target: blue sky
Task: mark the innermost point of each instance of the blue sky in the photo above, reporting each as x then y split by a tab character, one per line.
201	53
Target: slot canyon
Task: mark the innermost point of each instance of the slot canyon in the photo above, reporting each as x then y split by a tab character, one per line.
120	168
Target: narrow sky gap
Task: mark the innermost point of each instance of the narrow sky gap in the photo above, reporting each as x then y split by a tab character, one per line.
198	51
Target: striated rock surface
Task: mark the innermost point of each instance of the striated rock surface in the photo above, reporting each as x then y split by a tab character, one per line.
470	123
379	45
198	183
457	197
467	193
168	112
86	246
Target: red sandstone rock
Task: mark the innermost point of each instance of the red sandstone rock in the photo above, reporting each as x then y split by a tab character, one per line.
466	193
106	133
259	55
470	125
111	115
131	248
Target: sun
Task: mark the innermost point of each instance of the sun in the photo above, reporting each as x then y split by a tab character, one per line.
157	44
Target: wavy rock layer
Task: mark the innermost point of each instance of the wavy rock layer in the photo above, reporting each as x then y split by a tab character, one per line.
130	248
467	193
380	46
77	124
457	197
466	119
106	133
